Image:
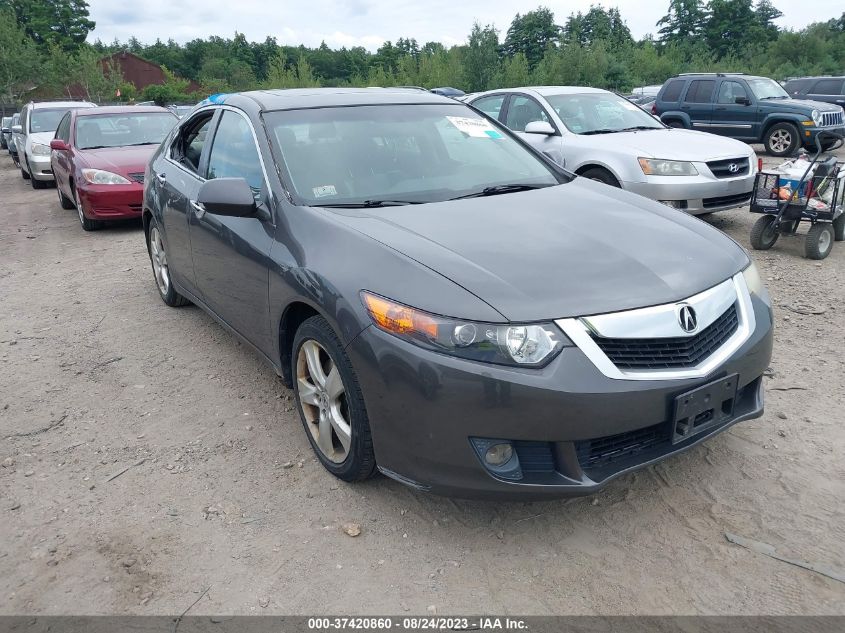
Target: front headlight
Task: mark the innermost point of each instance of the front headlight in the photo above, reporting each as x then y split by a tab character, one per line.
531	345
101	177
39	149
816	116
755	282
659	167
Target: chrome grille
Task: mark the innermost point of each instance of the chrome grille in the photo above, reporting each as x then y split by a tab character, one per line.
831	118
137	177
670	353
729	167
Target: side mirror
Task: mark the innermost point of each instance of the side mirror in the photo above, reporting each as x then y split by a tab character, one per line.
539	127
59	145
742	101
17	129
231	197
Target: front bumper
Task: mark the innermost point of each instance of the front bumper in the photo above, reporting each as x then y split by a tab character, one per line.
40	168
811	133
424	407
112	202
697	194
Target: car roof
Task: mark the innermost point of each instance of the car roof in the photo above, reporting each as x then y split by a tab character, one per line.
46	105
548	91
298	98
121	110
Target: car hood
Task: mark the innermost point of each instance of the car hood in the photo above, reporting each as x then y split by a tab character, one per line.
41	137
119	160
670	143
802	106
577	249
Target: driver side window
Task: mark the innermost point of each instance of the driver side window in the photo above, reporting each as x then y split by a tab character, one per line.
187	148
522	111
730	90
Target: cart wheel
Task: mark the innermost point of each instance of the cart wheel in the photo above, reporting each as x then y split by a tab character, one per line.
819	241
839	228
764	233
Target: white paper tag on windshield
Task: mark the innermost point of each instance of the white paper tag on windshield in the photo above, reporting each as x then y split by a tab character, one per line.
478	128
325	190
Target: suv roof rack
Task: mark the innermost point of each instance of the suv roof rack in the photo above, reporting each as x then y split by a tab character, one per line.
713	74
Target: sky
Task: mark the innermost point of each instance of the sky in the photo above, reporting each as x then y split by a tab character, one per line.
369	23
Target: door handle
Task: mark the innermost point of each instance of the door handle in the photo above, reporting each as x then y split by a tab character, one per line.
162	178
199	209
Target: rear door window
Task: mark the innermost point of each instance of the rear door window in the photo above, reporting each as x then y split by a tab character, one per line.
673	89
827	87
700	91
491	106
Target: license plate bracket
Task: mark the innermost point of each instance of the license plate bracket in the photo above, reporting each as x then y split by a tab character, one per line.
703	408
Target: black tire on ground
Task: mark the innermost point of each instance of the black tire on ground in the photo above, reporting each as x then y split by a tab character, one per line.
839	228
39	184
819	241
601	175
165	287
64	201
763	233
360	460
782	139
675	124
87	223
24	175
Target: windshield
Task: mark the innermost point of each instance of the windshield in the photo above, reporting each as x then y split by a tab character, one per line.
42	120
120	130
601	112
404	154
7	120
766	89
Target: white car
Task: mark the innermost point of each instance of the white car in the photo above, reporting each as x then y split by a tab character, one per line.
605	137
37	128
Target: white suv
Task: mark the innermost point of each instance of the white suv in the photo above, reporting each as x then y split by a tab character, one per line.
37	128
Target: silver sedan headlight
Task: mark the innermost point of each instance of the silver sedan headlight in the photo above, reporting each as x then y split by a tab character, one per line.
660	167
39	149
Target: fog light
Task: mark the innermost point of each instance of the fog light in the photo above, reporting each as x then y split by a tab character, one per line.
498	454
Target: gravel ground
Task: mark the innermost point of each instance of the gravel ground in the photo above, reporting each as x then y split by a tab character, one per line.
147	456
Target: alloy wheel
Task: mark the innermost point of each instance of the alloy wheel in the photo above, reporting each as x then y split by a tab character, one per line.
780	140
322	398
78	204
159	259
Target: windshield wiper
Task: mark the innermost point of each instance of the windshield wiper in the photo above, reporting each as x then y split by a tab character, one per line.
499	189
775	97
634	128
144	143
602	131
370	204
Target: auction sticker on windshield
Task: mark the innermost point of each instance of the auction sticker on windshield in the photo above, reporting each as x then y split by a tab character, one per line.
478	128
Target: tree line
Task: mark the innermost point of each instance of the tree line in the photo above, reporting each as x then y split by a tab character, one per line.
45	53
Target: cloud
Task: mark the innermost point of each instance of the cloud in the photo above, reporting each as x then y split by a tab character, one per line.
370	22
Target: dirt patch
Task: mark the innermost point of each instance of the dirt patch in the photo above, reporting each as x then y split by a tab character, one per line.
135	433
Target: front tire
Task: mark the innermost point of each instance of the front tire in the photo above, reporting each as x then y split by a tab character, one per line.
601	175
24	173
819	241
65	202
161	269
87	223
781	139
764	233
330	402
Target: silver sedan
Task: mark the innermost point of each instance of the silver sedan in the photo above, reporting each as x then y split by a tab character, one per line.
600	135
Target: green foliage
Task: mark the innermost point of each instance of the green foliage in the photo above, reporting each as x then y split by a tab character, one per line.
531	34
48	23
173	90
19	61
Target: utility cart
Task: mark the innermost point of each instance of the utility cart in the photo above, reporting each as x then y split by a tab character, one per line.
815	195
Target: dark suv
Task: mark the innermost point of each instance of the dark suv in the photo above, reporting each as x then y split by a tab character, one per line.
827	89
751	109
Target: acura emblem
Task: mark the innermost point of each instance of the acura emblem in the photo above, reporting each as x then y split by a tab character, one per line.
686	317
733	168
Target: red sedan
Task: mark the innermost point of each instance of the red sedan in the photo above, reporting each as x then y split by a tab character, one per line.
99	156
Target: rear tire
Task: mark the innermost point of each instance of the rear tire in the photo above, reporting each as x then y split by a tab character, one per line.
764	233
601	175
819	241
781	139
321	369
64	201
839	228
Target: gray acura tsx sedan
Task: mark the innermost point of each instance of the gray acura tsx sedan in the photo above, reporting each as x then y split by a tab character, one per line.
449	306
